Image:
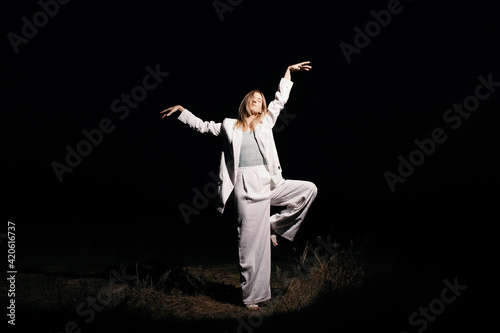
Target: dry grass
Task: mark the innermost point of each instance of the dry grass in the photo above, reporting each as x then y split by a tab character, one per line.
199	292
295	286
312	277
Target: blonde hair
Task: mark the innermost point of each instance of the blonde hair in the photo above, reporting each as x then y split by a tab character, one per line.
241	121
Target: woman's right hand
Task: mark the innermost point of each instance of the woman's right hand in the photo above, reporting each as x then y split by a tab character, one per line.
171	110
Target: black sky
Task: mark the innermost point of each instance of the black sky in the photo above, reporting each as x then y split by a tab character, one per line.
351	123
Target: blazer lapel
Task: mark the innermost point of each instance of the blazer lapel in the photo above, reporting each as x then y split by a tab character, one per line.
236	148
261	142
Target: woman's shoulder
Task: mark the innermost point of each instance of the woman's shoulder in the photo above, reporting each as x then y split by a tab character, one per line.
229	122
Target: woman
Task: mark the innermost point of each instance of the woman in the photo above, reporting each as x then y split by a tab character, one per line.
250	167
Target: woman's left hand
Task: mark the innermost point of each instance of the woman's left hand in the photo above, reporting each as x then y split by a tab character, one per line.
302	66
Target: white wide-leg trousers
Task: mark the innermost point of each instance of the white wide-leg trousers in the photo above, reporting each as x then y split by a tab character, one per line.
254	197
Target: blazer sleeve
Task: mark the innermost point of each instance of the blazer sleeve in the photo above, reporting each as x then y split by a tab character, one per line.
199	125
280	98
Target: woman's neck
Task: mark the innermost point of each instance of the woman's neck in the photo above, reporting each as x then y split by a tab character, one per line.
251	118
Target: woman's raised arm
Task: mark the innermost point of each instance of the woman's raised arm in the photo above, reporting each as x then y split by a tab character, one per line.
281	96
194	122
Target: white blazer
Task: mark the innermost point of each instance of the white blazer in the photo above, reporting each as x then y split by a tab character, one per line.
230	158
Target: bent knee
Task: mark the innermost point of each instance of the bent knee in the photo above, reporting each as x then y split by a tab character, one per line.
312	188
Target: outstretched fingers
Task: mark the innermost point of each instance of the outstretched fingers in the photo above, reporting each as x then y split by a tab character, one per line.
304	66
170	110
301	66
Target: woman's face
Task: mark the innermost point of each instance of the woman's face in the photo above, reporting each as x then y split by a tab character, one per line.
255	104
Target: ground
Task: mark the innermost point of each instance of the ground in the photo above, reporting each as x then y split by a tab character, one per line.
349	288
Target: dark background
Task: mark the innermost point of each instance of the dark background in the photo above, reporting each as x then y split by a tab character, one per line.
352	121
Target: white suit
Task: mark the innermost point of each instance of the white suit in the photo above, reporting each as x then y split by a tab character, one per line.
255	190
232	141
